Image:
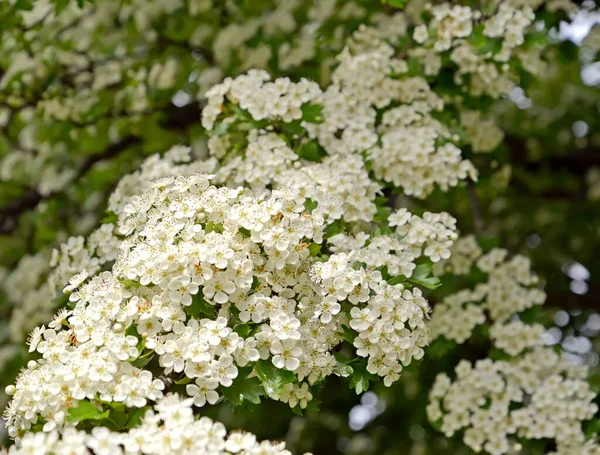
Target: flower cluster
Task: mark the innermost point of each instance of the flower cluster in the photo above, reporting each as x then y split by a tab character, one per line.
453	30
515	337
168	428
507	291
483	133
407	147
537	396
208	280
535	393
91	253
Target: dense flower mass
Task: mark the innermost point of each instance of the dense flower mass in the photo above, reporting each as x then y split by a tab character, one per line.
277	248
209	280
531	392
508	291
537	396
169	428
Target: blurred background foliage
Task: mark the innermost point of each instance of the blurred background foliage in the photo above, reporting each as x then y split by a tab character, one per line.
538	193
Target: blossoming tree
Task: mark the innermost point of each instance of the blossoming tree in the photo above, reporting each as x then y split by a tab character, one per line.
244	215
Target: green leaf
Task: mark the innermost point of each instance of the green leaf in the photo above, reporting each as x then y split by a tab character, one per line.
141	362
361	378
591	428
60	5
135	417
315	249
243	389
201	308
130	283
311	151
347	334
24	5
396	3
273	379
312	113
85	411
110	218
334	228
242	330
422	277
397	280
293	129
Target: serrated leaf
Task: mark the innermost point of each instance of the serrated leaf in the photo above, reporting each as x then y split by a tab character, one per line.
361	378
200	308
243	389
85	411
242	330
422	276
273	379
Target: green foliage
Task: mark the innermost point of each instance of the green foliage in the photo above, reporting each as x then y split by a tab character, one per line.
361	379
200	308
422	276
337	227
399	4
84	410
244	388
273	379
312	113
311	151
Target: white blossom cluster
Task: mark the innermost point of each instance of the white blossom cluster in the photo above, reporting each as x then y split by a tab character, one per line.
535	393
91	253
196	263
506	292
401	150
515	337
408	147
168	428
537	396
481	71
269	161
263	99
